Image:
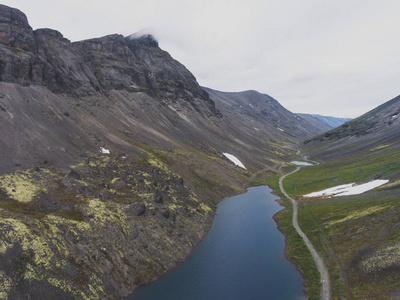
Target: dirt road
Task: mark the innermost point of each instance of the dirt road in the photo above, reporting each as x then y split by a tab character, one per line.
325	292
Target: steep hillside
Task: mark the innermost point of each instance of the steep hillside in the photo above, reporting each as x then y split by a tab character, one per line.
111	162
357	235
262	116
332	121
89	94
377	128
316	122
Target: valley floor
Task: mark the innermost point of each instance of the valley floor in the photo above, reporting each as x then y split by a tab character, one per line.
357	236
325	290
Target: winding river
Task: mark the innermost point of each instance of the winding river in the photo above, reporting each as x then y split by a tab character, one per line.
242	257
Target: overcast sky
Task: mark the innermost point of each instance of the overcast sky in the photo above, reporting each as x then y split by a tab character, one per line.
332	57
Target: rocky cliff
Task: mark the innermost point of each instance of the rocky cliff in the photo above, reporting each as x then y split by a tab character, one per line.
111	162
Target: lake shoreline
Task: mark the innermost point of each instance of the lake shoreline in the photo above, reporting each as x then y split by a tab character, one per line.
283	250
192	249
286	250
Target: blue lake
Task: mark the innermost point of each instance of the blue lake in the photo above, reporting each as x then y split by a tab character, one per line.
241	258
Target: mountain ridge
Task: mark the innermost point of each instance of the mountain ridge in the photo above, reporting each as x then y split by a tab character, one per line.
258	113
111	162
332	121
373	129
112	159
354	232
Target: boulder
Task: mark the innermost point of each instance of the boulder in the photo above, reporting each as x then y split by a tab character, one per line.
118	184
166	214
158	197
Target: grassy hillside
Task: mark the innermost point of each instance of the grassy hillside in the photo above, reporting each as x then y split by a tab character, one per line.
297	251
357	236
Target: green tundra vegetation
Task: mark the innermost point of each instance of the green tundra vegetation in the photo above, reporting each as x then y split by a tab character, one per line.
357	236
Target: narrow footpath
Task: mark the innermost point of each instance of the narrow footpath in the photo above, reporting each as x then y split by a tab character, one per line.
325	292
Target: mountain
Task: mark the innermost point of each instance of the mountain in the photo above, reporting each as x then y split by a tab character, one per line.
377	128
316	122
111	160
325	123
357	234
333	122
261	115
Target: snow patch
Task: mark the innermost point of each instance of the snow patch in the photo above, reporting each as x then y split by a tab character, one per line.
301	163
348	189
281	129
256	129
235	160
104	150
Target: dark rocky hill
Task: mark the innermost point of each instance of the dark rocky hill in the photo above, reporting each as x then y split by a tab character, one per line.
111	159
379	127
361	150
261	115
316	122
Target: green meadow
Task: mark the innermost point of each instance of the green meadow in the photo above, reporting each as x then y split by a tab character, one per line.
357	236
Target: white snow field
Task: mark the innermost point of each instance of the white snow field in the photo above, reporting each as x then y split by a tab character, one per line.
234	159
348	189
300	163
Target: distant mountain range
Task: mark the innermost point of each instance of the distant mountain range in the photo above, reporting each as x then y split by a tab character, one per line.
331	122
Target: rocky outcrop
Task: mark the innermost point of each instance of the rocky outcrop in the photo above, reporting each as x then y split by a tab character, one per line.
133	63
98	241
18	47
15	30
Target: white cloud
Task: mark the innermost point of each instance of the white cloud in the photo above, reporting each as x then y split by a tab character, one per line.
329	57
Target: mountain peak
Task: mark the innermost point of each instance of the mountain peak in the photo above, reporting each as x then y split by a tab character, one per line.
15	30
50	34
142	39
12	16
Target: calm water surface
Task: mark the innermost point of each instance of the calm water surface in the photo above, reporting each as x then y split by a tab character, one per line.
241	258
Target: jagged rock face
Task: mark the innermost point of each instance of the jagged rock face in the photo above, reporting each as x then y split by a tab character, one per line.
18	53
15	30
94	66
112	81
